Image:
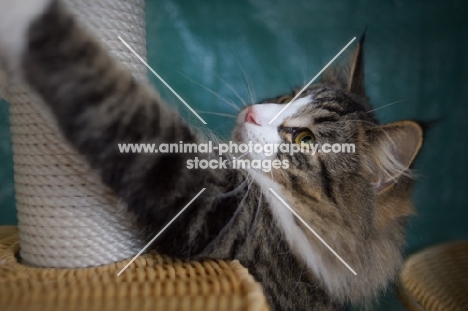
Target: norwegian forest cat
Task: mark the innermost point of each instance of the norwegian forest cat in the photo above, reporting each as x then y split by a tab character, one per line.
357	202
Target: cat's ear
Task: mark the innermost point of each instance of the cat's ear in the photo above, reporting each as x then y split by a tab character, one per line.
356	75
394	147
349	76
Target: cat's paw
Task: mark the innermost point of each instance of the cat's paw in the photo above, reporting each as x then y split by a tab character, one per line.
15	18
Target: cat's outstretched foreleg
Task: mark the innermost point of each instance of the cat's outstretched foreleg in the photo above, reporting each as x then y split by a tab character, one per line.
99	105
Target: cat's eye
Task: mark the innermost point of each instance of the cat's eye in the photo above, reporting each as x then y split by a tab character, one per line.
304	137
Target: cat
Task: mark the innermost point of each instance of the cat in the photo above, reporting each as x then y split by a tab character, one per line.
359	203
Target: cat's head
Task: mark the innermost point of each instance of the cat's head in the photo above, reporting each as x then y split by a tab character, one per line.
358	202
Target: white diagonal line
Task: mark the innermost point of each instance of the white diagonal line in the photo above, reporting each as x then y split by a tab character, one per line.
313	79
162	80
160	232
396	102
312	230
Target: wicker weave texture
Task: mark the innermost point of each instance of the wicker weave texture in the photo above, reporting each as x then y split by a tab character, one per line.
436	279
152	282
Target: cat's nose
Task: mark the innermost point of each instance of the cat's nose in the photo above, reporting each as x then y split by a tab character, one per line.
250	117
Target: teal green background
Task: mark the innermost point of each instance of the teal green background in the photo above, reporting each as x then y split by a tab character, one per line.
214	53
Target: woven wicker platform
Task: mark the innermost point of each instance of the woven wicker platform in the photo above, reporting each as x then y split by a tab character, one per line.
152	282
436	279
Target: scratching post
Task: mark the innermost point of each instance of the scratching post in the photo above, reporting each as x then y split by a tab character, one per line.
67	218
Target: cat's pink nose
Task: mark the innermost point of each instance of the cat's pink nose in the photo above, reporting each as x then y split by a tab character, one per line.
250	117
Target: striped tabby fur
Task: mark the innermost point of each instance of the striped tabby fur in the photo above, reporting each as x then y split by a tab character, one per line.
358	203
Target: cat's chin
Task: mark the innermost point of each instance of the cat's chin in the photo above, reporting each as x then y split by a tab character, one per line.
240	134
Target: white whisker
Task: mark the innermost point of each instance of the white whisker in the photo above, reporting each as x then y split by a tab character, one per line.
242	155
237	158
236	212
228	102
397	102
227	115
232	90
249	83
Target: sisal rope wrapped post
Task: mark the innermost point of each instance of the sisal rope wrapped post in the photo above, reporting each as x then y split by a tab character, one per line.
67	218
